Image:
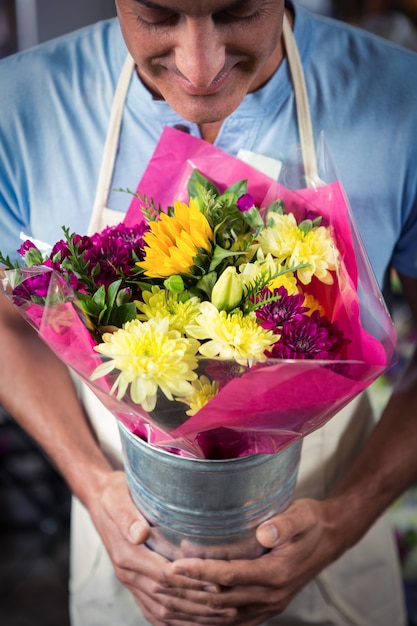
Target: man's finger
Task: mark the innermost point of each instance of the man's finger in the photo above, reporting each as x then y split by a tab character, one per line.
298	519
120	508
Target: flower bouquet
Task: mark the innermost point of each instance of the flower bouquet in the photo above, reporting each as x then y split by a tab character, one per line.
226	317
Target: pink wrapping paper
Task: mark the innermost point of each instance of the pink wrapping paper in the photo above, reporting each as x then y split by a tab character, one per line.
266	407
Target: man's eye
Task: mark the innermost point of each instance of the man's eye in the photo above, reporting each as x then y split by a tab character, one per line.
155	17
236	16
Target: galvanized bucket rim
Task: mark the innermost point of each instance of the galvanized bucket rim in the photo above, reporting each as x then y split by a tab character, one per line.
204	463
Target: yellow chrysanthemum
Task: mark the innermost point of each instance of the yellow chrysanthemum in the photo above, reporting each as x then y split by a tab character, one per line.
285	241
287	280
203	391
313	305
281	238
159	303
320	252
149	356
173	241
252	271
232	336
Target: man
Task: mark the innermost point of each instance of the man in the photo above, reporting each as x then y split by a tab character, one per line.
218	68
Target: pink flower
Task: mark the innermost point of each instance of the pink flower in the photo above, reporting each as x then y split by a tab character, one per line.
245	203
34	288
25	247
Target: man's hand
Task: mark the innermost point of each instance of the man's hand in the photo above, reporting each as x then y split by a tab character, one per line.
300	547
163	595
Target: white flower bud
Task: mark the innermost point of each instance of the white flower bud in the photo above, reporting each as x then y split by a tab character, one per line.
228	290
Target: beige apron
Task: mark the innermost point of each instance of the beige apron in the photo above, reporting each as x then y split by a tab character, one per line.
361	589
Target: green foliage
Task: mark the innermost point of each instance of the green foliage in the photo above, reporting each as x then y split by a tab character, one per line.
219	208
261	281
8	264
107	307
150	210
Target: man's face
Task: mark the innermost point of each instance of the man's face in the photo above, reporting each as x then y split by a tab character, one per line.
203	56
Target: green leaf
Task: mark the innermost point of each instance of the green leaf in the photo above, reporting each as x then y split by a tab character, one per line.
87	304
306	226
175	284
99	297
6	261
277	206
148	207
122	314
102	317
267	299
198	181
207	282
237	189
220	254
33	257
201	261
96	271
253	218
112	290
110	298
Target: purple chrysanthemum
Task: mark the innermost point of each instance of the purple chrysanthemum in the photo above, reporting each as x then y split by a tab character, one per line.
108	254
311	337
111	250
288	308
60	251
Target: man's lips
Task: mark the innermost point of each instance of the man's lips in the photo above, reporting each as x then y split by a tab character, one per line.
193	90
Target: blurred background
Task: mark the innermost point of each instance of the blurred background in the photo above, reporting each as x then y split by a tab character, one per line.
24	23
34	501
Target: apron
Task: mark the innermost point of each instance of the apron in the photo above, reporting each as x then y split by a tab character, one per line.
363	588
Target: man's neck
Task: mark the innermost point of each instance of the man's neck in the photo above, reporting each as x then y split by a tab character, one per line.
210	131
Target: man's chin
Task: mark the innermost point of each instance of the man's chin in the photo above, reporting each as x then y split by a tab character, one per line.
205	109
197	108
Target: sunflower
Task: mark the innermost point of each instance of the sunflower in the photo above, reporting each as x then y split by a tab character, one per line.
175	240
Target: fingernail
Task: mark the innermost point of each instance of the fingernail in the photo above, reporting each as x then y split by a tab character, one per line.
270	533
135	532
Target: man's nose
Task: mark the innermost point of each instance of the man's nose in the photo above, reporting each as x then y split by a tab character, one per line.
199	52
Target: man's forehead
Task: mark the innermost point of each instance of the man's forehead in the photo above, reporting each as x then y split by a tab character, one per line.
197	6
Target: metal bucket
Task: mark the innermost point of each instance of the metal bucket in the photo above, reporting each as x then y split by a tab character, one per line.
207	508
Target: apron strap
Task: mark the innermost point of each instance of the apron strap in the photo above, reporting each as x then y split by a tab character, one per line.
303	109
110	147
112	140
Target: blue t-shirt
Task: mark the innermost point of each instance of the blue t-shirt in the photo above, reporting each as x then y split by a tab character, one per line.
55	103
